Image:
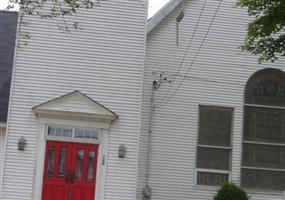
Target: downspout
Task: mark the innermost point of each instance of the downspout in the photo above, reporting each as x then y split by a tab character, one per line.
147	188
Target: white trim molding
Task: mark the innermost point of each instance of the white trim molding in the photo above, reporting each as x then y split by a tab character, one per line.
75	106
74	109
101	166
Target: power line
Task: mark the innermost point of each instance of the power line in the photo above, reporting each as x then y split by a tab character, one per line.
188	47
194	58
209	80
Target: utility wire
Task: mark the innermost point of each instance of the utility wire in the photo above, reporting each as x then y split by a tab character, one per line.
187	49
208	80
194	59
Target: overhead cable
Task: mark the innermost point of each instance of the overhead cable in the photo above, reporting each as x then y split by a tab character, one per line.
187	49
194	58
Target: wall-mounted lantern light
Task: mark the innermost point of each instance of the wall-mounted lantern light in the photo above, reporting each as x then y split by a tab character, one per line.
122	151
21	144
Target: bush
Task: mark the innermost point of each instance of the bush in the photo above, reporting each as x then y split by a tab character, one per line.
230	191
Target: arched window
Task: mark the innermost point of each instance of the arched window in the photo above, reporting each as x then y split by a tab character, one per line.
263	159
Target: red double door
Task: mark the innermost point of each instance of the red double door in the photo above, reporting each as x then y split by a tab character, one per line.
70	171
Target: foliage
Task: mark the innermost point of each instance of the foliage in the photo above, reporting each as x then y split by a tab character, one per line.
230	191
58	8
265	35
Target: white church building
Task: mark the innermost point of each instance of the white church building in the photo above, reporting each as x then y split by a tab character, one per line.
127	108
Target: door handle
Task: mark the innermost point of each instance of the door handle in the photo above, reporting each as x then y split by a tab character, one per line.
67	176
72	176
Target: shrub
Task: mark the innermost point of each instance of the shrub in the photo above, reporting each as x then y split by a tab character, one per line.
230	191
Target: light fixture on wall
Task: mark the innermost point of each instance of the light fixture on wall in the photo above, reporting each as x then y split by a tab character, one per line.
122	151
21	144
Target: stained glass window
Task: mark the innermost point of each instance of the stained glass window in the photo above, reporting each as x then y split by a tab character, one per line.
263	159
266	87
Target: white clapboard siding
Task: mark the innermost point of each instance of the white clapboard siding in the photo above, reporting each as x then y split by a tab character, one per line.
217	77
103	60
2	142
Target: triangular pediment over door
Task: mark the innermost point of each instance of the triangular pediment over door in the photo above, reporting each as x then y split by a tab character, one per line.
75	106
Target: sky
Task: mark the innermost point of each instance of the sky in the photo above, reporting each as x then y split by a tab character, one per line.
4	3
154	5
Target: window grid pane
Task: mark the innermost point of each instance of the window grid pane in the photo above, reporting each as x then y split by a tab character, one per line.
264	124
86	133
210	158
59	131
263	179
265	156
215	126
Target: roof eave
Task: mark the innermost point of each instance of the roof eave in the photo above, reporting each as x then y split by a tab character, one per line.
161	14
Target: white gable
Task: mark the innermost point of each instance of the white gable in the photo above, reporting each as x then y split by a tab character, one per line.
74	105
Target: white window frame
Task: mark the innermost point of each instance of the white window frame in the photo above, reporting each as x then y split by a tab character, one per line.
230	148
228	172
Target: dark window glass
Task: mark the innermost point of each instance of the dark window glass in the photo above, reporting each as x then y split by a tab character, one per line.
264	156
51	131
51	158
79	165
264	124
91	157
211	158
215	126
62	160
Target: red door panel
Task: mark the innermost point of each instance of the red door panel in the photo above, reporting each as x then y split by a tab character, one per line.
58	156
70	171
84	162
